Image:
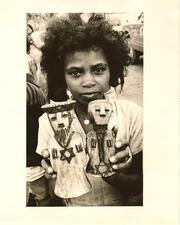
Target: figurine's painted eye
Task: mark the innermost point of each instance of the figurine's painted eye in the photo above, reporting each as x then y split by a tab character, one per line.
97	110
64	114
53	118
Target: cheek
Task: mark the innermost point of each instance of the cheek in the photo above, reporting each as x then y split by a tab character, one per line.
107	79
69	83
72	87
105	82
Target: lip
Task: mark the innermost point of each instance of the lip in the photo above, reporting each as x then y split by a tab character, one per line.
89	94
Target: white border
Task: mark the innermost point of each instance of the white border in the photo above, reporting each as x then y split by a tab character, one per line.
161	116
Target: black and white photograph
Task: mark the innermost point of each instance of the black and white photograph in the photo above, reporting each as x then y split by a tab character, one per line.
84	109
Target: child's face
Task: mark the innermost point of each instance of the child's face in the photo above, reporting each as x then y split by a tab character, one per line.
87	74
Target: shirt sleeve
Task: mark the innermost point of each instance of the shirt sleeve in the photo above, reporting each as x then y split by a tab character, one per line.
130	125
44	134
136	129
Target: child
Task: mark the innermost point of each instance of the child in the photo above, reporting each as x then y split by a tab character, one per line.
87	58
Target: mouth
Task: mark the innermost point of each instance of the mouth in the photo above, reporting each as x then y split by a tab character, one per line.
90	95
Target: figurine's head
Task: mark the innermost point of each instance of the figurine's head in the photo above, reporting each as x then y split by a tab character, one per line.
100	111
60	114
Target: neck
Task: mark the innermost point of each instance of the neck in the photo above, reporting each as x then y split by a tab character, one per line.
82	114
81	108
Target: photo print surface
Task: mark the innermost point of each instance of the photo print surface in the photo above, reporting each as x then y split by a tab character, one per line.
84	98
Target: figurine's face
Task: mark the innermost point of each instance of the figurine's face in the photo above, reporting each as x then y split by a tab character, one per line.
100	111
60	119
60	114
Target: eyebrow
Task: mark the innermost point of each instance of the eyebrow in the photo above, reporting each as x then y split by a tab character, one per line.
81	68
73	68
99	64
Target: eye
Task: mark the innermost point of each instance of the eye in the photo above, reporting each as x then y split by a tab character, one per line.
74	72
97	110
99	69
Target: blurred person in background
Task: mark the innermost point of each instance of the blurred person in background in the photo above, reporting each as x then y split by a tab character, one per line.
37	192
31	64
38	188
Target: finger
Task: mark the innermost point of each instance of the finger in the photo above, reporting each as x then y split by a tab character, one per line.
115	129
54	176
124	165
50	176
118	144
121	144
119	156
45	153
48	169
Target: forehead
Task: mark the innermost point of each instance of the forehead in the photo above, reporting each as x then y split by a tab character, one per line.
102	106
90	56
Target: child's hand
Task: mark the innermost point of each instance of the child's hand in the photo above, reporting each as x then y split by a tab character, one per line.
49	172
128	177
123	158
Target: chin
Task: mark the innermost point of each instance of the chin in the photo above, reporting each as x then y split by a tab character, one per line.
87	101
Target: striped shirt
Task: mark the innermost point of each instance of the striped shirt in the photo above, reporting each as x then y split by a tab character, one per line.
34	94
34	100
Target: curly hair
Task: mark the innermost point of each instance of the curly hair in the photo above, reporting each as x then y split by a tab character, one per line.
71	33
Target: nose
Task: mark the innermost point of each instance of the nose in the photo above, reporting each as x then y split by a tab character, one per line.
60	125
88	80
102	112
